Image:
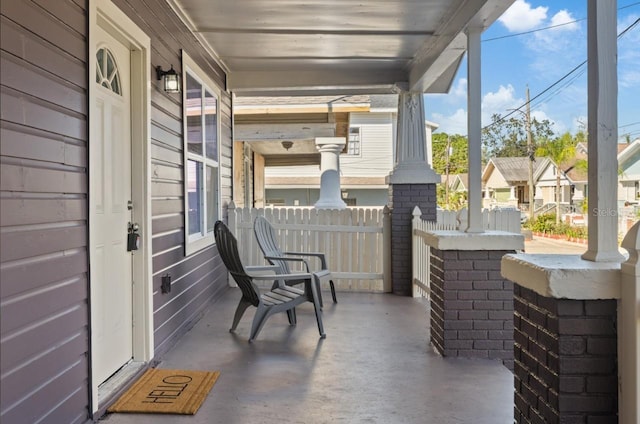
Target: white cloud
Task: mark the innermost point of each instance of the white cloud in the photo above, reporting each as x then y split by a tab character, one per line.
522	17
565	19
629	55
452	124
460	88
556	39
499	102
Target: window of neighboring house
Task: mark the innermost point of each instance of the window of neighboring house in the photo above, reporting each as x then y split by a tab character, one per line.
353	146
201	150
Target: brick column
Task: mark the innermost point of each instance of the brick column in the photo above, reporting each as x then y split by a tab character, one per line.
403	198
471	305
565	359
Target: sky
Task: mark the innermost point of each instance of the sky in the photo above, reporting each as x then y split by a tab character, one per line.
519	50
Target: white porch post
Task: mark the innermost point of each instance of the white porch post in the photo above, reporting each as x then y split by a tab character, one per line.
412	182
629	331
330	148
474	130
512	194
603	132
411	165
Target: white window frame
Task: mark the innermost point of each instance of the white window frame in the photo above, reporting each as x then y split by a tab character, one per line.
196	242
348	153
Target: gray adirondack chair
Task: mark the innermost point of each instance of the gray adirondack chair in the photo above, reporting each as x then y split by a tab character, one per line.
267	240
281	298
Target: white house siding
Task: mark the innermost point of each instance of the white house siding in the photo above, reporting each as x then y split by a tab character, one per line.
547	183
375	160
630	176
626	192
496	180
376	135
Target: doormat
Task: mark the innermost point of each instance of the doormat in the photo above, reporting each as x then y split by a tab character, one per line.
162	391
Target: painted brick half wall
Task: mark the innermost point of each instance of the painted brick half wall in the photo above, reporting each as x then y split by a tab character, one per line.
403	198
471	305
565	359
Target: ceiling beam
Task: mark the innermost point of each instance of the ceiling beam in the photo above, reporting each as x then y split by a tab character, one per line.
299	31
279	131
315	82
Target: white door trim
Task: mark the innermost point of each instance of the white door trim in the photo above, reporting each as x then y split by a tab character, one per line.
118	24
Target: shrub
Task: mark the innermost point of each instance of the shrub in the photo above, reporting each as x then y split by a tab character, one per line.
547	224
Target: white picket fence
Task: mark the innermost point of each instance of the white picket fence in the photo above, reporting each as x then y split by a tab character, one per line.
356	241
496	220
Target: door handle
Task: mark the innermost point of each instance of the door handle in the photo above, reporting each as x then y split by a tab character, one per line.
133	237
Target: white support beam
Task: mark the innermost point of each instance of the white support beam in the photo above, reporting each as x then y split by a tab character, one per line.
474	130
602	132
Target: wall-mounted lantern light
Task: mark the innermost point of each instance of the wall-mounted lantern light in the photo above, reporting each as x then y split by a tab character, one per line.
171	79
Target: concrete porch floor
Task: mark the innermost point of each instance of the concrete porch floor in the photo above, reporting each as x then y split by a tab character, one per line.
375	366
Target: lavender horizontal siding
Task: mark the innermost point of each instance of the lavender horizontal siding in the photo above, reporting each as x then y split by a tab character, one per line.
44	209
43	213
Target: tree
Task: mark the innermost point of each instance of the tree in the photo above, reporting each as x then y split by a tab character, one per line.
451	162
561	150
459	157
508	137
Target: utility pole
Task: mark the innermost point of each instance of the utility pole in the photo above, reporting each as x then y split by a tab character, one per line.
446	169
531	154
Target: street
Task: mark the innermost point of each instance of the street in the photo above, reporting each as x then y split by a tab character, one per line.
548	245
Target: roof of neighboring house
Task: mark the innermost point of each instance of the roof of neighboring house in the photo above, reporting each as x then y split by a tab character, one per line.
583	148
575	174
623	146
628	151
514	169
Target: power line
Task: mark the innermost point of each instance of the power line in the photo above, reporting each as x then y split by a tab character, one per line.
567	75
532	31
629	125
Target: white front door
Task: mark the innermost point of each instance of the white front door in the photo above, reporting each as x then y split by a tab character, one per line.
111	263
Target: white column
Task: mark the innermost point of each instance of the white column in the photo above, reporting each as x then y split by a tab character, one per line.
602	132
512	195
629	331
411	165
474	130
330	148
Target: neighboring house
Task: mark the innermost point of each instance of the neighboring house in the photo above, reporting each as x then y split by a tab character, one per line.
629	173
505	181
546	182
460	183
577	174
290	176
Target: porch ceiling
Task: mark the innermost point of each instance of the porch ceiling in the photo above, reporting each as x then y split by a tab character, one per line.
301	47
